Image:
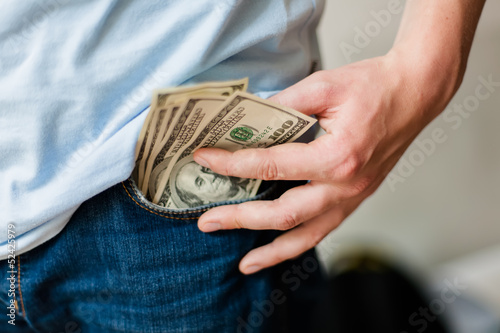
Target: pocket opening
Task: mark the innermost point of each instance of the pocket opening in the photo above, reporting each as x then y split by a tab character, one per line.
267	189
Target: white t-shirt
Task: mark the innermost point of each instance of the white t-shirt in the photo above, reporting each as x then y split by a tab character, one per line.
76	79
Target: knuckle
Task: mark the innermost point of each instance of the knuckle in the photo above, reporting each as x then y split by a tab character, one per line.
348	169
361	185
323	89
267	170
237	222
287	221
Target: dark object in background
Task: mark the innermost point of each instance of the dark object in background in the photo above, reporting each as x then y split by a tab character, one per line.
368	294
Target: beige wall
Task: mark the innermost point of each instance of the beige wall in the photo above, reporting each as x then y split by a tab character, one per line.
450	204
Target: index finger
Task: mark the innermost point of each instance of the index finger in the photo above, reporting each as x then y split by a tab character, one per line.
291	161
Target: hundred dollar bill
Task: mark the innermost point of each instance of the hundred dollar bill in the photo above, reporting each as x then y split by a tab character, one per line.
189	118
163	97
243	121
162	100
155	128
193	185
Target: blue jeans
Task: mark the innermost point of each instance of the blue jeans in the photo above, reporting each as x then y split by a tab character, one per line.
123	264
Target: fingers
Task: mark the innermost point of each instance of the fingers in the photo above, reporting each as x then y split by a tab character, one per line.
311	95
296	241
292	243
292	161
295	206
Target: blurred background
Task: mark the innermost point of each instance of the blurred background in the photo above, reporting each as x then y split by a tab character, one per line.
439	215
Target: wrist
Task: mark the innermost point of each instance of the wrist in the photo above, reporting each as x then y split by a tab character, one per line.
431	76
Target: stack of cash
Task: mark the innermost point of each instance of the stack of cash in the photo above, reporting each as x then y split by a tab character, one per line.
214	114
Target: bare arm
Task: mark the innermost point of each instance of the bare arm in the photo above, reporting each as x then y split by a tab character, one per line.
436	36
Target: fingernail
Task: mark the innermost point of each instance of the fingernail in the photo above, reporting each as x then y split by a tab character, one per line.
202	162
209	227
252	269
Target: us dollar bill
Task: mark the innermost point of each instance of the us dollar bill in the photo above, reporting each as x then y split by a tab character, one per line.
190	116
243	121
162	99
155	128
166	96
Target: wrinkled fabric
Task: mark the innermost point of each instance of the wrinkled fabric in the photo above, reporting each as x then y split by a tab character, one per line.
76	79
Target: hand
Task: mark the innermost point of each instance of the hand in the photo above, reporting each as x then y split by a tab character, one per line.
371	111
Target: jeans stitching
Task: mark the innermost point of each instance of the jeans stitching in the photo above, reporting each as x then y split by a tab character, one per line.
19	285
136	198
174	213
151	210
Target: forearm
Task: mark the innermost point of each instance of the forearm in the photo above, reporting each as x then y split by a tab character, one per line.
434	39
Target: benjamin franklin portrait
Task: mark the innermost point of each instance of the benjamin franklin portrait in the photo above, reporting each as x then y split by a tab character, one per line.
194	185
